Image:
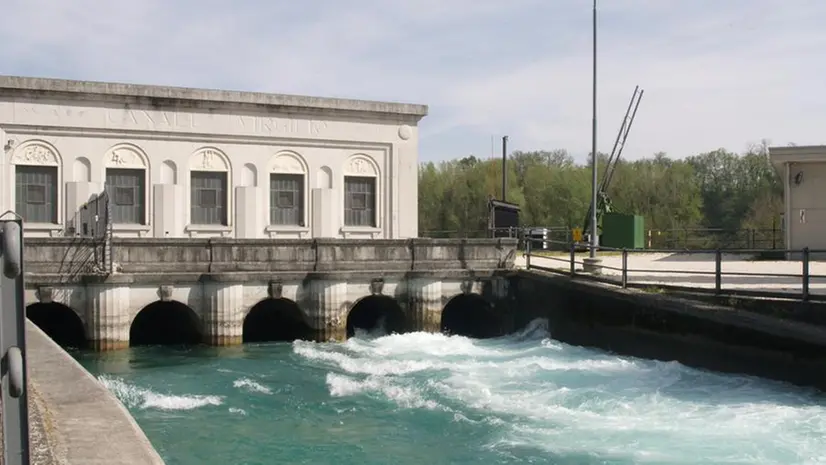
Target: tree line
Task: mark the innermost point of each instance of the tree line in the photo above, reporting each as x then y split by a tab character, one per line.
719	190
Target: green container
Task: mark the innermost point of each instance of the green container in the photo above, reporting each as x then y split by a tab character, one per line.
623	231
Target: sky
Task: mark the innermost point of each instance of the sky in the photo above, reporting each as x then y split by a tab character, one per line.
716	73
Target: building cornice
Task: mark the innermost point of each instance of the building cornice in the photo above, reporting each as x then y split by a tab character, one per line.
19	87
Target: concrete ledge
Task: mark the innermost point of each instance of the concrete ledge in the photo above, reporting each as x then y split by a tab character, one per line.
89	426
38	280
18	86
656	326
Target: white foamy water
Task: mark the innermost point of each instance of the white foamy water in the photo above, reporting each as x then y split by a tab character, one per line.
138	397
251	386
568	400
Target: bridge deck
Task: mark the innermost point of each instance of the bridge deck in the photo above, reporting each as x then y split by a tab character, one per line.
664	269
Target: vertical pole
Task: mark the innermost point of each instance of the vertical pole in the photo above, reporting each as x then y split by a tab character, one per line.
573	259
13	345
806	274
624	268
504	168
528	254
718	271
594	229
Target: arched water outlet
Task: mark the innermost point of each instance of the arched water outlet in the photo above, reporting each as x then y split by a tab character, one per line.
165	323
376	313
60	323
471	315
275	320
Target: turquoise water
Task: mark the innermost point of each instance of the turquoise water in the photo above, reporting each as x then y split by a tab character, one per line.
428	399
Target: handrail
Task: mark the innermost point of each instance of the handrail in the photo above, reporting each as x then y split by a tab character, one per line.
805	276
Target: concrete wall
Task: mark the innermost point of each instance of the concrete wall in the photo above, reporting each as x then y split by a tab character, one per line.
663	327
86	423
803	171
85	128
222	279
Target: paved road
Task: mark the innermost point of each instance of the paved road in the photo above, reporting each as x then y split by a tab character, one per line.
664	269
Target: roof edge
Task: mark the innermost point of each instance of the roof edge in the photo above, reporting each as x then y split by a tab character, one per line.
25	85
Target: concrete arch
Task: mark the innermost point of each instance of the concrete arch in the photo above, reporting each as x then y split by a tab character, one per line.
60	322
276	320
471	315
165	323
36	152
376	313
361	164
169	172
82	170
288	162
126	155
210	159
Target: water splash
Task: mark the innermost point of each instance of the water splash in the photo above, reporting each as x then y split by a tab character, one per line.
137	397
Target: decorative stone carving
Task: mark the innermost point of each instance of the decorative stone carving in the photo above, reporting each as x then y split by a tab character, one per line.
165	292
35	153
359	165
275	289
125	157
45	294
287	163
376	286
405	132
208	159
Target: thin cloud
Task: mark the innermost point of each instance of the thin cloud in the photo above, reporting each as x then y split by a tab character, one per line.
716	74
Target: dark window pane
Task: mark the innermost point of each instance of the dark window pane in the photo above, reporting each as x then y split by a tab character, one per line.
287	199
359	201
36	193
125	196
127	189
208	198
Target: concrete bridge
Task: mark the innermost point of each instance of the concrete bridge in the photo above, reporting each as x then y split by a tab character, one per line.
111	294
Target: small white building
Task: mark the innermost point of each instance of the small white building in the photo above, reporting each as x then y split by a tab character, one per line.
803	170
179	162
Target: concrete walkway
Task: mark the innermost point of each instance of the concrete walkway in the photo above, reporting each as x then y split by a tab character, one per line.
73	418
664	269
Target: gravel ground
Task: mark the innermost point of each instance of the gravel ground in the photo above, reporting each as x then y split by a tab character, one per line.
645	268
39	429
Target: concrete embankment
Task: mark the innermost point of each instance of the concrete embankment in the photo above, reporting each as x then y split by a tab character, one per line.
84	423
663	327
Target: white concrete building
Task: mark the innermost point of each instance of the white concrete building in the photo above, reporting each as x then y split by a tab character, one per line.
803	170
180	162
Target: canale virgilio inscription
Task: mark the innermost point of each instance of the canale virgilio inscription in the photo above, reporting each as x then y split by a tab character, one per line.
166	120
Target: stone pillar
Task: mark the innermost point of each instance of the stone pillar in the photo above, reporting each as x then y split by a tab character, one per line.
424	308
168	215
327	310
107	316
223	313
248	213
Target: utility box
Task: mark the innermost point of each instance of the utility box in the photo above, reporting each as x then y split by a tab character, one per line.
623	231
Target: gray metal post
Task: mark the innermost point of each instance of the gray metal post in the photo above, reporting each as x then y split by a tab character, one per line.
594	180
13	345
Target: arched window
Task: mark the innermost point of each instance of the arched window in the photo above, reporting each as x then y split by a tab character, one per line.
126	180
361	201
209	188
37	182
288	187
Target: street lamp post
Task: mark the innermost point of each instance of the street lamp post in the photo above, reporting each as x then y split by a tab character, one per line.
591	264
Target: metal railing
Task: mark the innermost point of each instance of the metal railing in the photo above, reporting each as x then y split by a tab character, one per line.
804	278
676	239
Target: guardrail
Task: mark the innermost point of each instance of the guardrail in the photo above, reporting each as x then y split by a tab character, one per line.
805	277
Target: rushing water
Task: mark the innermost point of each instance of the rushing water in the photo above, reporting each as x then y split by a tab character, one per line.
428	399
